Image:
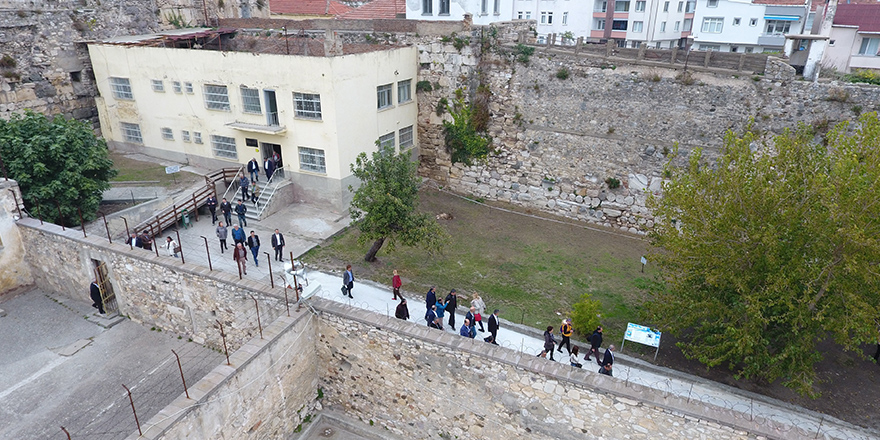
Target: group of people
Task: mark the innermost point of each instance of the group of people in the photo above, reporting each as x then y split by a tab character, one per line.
239	253
269	166
595	340
227	209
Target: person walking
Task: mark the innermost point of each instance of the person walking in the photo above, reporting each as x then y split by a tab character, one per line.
430	316
134	241
471	318
493	325
239	254
95	294
451	304
211	203
146	241
241	210
595	343
278	245
171	247
226	209
440	309
222	234
253	242
607	361
402	311
238	235
253	168
479	309
573	357
244	183
395	284
347	281
565	330
269	167
430	298
465	329
549	343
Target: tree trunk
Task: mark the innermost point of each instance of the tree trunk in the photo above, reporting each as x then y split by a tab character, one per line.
371	254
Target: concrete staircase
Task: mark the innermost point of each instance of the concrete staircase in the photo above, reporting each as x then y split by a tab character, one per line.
266	192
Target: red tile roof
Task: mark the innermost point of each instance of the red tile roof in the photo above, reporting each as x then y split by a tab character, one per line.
865	16
308	7
377	9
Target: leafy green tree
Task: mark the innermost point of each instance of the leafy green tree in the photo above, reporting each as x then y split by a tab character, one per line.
462	136
384	206
771	249
585	314
56	160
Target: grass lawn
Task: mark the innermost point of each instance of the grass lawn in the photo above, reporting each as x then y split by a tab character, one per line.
534	270
132	170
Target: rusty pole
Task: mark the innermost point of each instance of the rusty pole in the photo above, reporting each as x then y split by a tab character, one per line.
269	260
39	212
291	259
60	218
179	367
260	325
174	216
15	197
127	232
207	251
195	207
296	287
286	301
81	222
223	335
107	228
179	243
136	421
65	431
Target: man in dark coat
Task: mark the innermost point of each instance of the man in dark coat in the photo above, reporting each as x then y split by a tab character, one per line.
493	325
451	304
607	361
239	254
146	241
241	210
431	316
278	245
226	209
253	242
269	167
595	343
245	184
134	241
430	298
95	294
402	311
211	203
348	281
254	169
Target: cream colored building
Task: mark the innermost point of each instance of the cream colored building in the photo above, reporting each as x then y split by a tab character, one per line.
220	108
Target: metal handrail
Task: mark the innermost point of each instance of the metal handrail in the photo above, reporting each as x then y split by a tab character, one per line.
234	182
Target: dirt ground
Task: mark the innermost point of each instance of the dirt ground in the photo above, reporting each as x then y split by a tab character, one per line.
602	259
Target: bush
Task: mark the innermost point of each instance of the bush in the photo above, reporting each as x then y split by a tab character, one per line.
523	53
424	86
562	73
686	78
586	314
442	104
863	76
612	182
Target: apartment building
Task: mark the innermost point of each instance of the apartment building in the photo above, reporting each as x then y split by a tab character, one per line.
748	26
483	11
185	96
855	38
658	23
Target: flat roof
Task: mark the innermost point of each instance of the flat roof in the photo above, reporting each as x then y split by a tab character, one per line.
171	34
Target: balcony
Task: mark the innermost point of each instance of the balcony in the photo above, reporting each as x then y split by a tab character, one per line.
773	40
258	128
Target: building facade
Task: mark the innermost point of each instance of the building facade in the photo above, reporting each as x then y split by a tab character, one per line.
855	38
747	26
661	24
219	108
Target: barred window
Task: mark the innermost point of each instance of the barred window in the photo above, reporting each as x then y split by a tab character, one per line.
386	140
185	135
312	159
189	88
121	88
404	93
176	86
406	137
197	137
384	95
131	132
224	147
216	97
158	85
307	105
167	134
250	100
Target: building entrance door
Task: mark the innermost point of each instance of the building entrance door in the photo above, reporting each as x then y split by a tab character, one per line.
103	280
274	151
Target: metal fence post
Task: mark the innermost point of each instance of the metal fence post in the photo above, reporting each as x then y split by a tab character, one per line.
107	228
82	224
179	367
128	232
60	217
223	335
133	410
207	251
259	324
179	243
269	261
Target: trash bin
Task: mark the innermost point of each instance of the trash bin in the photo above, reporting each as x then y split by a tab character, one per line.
184	218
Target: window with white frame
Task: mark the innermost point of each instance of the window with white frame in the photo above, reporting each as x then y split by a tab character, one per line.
484	7
250	100
167	133
565	18
546	17
383	96
224	147
312	159
677	26
197	137
713	25
444	7
405	136
131	132
680	6
175	85
404	91
638	26
690	6
599	24
157	85
121	88
427	7
665	6
307	105
189	88
497	7
736	21
869	47
640	6
753	22
778	27
619	25
750	49
712	47
621	6
688	24
216	97
386	140
662	26
711	3
184	134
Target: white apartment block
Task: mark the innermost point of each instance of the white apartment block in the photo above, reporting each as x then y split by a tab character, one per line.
747	26
660	24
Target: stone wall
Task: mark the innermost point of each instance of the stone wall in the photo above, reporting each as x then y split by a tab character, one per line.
15	271
269	390
156	291
557	141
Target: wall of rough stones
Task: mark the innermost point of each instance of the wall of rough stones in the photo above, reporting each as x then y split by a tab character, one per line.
157	291
46	40
557	141
15	271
